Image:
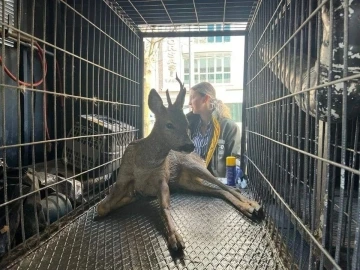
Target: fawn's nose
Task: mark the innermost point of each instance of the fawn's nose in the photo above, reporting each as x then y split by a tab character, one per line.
189	147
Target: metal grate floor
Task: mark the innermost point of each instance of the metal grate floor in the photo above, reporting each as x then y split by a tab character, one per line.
216	235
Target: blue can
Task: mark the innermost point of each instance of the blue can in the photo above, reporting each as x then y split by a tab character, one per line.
231	171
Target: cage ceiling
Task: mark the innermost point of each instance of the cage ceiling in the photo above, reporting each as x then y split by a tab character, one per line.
150	16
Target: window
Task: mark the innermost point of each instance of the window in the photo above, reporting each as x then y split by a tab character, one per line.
186	69
218	27
236	111
211	67
186	65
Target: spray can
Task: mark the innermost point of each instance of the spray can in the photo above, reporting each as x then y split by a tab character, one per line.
230	170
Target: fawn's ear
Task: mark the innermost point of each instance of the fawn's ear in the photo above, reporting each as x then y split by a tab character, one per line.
155	102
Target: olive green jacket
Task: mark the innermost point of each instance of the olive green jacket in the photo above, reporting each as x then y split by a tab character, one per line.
224	140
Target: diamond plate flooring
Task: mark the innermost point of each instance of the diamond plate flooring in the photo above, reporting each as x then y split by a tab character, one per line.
216	235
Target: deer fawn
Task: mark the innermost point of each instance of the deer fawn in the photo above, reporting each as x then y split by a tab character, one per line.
150	165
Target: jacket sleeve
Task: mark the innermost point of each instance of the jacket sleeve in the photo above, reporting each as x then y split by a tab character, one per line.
232	139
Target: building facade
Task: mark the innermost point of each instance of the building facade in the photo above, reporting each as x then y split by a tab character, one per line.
218	60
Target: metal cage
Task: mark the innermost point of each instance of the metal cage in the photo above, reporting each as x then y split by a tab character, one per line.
68	110
71	100
303	107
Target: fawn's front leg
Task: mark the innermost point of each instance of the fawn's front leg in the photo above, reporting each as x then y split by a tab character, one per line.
174	239
120	194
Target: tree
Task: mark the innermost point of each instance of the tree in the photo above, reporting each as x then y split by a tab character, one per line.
151	48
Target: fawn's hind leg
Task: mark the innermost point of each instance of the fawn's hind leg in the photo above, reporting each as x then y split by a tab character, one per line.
196	184
204	174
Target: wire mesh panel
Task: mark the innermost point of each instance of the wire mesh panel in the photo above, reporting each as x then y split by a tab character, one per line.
216	236
303	108
70	103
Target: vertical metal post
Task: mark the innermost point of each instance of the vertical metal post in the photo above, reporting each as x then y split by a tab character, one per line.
321	173
356	251
244	104
345	6
141	87
3	120
190	64
87	86
34	183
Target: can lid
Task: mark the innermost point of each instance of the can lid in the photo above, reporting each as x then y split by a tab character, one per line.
230	161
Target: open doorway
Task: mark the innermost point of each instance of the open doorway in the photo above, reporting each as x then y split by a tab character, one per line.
218	60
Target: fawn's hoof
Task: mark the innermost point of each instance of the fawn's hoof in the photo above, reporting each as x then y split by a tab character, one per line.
256	206
102	210
176	242
259	214
250	210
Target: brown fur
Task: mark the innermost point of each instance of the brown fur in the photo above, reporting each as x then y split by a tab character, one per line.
150	165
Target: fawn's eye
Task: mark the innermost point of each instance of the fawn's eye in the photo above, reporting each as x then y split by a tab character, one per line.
170	126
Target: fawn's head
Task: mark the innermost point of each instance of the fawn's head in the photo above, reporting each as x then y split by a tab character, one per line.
171	125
